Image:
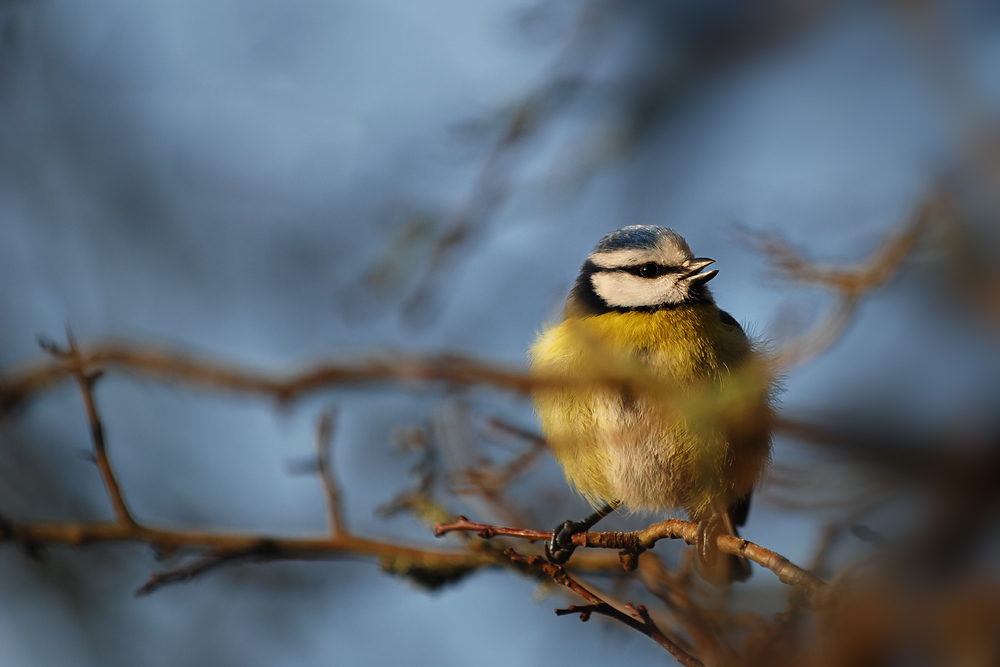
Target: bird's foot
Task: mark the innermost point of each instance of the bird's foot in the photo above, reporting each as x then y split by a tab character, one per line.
560	546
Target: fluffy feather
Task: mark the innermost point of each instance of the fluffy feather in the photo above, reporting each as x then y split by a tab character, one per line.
688	424
696	432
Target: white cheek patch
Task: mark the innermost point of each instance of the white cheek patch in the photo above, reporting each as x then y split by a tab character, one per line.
624	290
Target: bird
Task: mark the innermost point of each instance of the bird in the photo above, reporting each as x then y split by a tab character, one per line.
660	399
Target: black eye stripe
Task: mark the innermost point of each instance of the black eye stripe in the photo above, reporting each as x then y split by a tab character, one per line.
649	270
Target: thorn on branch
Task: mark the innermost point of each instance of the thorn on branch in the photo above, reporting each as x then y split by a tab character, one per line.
186	573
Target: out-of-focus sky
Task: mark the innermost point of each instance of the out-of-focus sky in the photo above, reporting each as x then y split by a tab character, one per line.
223	175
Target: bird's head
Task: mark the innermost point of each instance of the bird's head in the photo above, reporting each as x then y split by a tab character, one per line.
642	267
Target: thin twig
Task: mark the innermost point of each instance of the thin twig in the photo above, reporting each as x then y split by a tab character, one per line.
850	285
493	183
416	500
516	431
85	381
638	619
672	590
324	468
489	480
122	514
835	530
199	566
520	463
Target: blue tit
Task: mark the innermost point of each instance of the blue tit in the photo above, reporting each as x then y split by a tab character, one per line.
686	422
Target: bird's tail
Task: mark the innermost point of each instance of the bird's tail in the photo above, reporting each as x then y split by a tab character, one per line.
726	569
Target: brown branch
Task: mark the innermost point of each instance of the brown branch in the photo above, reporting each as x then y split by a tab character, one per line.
638	618
487	531
636	542
324	468
122	514
171	365
850	285
85	381
429	566
395	557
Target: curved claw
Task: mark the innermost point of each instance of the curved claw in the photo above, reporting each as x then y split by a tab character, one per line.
560	547
708	530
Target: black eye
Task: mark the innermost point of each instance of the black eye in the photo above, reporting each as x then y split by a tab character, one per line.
649	270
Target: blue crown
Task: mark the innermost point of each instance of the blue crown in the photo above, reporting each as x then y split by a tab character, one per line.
644	237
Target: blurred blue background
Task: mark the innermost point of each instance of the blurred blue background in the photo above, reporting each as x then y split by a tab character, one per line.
272	183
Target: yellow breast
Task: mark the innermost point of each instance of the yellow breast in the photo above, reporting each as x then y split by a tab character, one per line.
660	443
686	342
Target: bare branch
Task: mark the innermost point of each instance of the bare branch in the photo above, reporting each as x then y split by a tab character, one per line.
170	365
522	461
672	590
394	557
516	431
85	381
324	468
489	480
851	285
638	541
637	618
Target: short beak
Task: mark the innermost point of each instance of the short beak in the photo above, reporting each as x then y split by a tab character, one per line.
694	266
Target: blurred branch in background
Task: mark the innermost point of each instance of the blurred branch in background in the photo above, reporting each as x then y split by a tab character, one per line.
922	583
850	286
684	45
687	622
